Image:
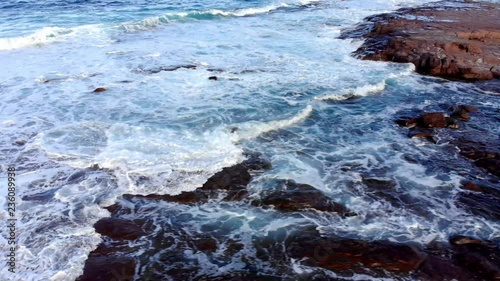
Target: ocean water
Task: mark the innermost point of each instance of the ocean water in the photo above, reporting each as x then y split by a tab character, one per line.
285	81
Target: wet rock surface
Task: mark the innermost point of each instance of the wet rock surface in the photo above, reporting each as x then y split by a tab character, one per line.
483	151
232	181
340	254
480	193
436	268
108	268
291	196
167	68
482	201
174	249
119	228
443	39
99	90
436	120
481	256
180	253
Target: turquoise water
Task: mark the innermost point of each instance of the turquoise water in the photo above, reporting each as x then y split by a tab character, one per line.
284	81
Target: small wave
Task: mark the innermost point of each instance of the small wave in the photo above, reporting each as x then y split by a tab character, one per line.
156	21
410	68
252	130
355	92
49	35
38	38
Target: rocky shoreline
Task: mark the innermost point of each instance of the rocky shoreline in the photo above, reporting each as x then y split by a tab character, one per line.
461	258
444	40
457	40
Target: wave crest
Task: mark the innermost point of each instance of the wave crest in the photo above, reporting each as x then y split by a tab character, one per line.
252	129
38	38
156	21
361	91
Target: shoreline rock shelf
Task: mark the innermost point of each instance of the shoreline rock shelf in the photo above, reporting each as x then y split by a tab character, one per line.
446	40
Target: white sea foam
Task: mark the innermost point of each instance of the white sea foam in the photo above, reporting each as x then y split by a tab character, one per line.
133	151
38	38
252	129
156	21
49	35
361	91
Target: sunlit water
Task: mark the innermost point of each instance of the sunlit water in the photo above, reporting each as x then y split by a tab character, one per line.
284	81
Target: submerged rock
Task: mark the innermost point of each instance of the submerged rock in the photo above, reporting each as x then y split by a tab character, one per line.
171	68
471	186
20	142
461	112
407	122
291	196
105	268
205	244
490	164
352	255
231	182
416	134
483	203
119	228
436	268
483	152
480	257
99	90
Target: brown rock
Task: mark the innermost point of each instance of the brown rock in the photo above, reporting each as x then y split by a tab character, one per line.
484	204
464	240
231	180
464	48
471	186
468	108
206	244
495	70
291	196
433	120
491	165
352	255
105	268
235	179
480	257
451	123
409	123
481	264
99	90
440	269
119	229
461	114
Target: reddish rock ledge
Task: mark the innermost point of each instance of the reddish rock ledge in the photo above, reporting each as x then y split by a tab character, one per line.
453	40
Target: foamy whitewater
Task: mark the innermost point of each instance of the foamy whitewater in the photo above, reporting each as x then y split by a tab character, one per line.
284	88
